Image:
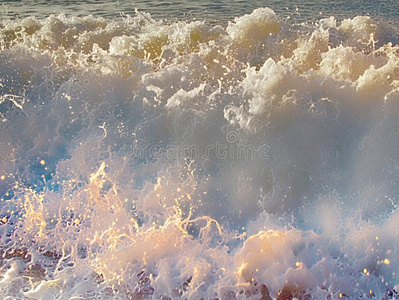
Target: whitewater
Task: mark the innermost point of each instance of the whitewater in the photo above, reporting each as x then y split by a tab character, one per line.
150	159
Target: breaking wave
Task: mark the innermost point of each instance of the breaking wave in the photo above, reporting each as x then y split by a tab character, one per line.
146	159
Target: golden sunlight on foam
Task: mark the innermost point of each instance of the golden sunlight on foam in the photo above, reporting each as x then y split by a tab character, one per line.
268	257
88	213
249	29
259	250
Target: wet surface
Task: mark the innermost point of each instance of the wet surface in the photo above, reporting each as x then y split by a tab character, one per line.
214	12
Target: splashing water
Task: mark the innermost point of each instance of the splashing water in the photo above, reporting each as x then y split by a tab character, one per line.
144	159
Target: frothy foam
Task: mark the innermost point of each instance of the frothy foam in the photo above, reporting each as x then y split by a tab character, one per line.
145	159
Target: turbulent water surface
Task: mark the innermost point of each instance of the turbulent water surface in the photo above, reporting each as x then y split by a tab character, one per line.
221	157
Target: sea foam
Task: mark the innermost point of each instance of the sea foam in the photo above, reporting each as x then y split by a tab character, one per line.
149	159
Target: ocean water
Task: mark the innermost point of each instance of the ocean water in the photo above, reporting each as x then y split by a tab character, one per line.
199	150
220	11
